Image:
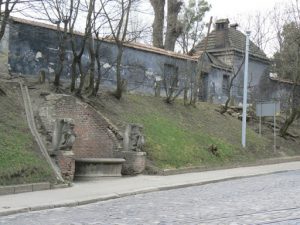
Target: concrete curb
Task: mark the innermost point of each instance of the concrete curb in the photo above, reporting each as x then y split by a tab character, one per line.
260	162
124	194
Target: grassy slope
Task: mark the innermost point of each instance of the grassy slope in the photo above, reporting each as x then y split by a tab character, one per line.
179	136
20	161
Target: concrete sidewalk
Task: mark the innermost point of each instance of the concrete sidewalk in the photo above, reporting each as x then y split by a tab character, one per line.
109	188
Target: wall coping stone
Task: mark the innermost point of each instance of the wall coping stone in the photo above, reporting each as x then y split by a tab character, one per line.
100	160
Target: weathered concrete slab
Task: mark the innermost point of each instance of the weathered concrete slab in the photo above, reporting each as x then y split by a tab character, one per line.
95	168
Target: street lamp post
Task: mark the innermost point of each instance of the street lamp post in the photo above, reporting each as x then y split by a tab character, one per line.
245	90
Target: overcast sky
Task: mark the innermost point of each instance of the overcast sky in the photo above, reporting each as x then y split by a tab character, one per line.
238	11
240	8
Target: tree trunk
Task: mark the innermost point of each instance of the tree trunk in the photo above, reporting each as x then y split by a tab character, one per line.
158	23
2	92
62	49
288	122
3	25
295	114
174	28
119	90
82	79
7	9
99	74
58	72
76	60
185	96
199	75
225	107
73	73
92	66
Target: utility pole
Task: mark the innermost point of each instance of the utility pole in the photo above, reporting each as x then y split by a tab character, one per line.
244	123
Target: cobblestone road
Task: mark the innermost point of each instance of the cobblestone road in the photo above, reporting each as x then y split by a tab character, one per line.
271	199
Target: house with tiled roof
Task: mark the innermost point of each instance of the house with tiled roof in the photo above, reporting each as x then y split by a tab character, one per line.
227	44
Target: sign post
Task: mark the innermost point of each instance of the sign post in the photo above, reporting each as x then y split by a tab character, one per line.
268	109
274	127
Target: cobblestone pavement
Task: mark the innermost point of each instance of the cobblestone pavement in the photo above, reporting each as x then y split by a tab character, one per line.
270	199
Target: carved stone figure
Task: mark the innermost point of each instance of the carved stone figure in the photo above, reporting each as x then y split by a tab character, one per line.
63	135
133	142
133	138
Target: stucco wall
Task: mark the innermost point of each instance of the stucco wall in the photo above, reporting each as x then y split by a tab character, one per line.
215	90
256	70
269	89
34	48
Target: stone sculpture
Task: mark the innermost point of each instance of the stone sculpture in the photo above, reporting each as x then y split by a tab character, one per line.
133	138
63	135
134	142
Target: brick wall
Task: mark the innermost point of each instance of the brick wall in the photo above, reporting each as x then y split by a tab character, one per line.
66	162
94	139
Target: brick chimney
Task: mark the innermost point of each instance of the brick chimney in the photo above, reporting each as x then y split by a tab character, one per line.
221	33
222	24
234	26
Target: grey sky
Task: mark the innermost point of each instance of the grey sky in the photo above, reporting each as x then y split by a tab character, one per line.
238	11
240	8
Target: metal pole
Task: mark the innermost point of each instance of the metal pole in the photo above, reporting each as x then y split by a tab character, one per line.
275	127
260	119
260	125
245	90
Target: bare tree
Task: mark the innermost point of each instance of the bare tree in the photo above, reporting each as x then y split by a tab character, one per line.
171	80
294	107
289	68
287	63
278	19
197	85
96	31
6	8
261	29
76	50
99	21
192	22
189	79
90	20
118	24
235	73
59	13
